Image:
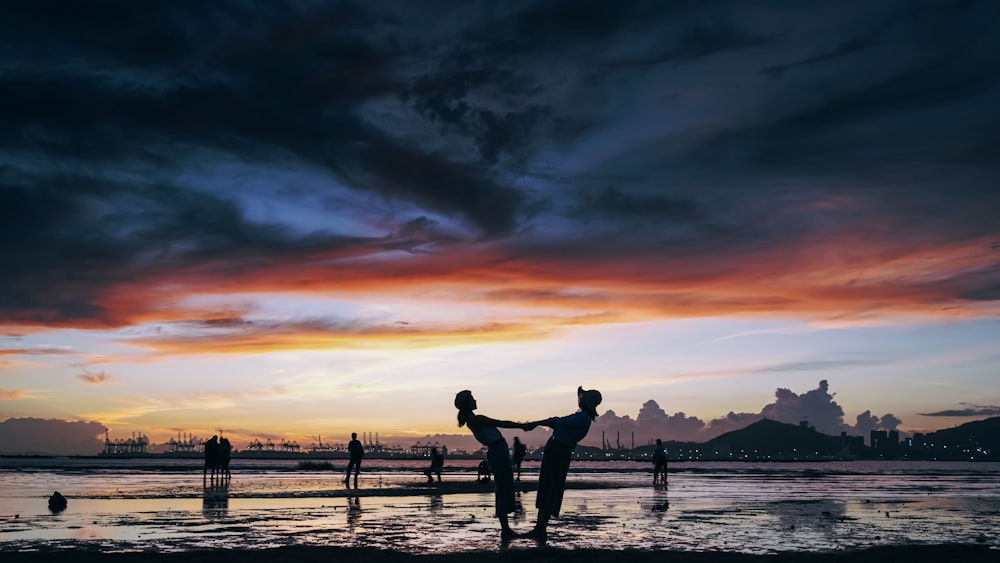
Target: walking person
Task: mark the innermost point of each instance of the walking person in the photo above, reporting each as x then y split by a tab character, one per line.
567	431
437	463
517	457
357	452
485	430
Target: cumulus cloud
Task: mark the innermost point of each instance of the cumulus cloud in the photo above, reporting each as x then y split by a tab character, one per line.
51	436
816	406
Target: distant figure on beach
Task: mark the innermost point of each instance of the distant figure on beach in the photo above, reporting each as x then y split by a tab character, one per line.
485	430
567	431
356	451
225	454
57	502
212	457
437	463
517	457
483	471
659	464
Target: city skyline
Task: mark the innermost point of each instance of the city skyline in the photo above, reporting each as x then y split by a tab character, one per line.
311	219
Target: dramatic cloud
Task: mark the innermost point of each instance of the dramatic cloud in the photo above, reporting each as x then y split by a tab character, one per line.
816	407
310	180
50	436
299	148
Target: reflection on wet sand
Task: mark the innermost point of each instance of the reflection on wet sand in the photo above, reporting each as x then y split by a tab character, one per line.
215	501
353	513
715	507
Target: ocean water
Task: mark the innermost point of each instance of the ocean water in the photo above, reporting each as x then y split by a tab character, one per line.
163	505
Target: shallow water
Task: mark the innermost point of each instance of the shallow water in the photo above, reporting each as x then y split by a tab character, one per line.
130	505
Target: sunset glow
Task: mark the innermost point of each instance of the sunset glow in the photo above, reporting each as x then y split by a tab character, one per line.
307	220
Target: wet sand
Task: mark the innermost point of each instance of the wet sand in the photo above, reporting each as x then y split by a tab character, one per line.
717	513
515	553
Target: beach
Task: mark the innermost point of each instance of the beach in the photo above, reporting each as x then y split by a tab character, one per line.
137	510
299	554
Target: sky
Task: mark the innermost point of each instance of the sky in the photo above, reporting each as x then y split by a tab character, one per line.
295	220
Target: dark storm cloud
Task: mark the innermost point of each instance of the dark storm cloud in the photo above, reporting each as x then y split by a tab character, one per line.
849	47
261	89
649	129
70	240
617	204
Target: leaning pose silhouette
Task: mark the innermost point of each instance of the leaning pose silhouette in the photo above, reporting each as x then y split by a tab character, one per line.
567	431
485	431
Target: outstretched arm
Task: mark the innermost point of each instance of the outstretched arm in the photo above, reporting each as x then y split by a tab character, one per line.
549	422
482	419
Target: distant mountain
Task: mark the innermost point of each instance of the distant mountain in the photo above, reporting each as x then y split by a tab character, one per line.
770	437
984	433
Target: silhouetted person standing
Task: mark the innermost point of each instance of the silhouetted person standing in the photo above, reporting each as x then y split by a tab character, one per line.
567	431
225	454
518	456
437	463
659	463
212	455
356	451
485	430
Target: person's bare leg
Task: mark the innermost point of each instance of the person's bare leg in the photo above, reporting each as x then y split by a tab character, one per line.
506	532
540	531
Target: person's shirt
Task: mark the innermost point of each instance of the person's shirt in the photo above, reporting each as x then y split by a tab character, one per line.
356	450
569	430
437	460
660	454
484	433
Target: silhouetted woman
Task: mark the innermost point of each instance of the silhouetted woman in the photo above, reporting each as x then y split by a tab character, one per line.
567	431
485	430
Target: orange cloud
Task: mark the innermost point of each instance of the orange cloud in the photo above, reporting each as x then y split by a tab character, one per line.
846	275
10	395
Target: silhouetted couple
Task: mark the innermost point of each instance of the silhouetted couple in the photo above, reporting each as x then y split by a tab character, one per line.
567	431
357	452
218	452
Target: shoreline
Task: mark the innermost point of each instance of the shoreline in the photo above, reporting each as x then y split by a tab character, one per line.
912	553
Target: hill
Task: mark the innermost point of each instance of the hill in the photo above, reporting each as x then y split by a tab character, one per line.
770	438
978	433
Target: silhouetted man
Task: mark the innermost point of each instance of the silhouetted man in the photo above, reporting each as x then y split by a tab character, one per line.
357	451
518	456
659	463
437	463
212	456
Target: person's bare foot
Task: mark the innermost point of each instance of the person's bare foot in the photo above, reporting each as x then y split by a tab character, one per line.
508	534
538	534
